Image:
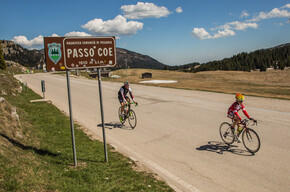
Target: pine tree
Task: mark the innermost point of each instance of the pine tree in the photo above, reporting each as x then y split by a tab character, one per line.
2	61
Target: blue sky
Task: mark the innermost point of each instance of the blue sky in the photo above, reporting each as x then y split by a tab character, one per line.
174	32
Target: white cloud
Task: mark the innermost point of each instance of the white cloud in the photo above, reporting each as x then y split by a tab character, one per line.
286	6
224	33
225	30
229	28
237	25
33	43
200	33
244	14
144	10
275	13
77	33
178	10
117	26
37	42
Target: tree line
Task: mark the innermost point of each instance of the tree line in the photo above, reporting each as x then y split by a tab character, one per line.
277	58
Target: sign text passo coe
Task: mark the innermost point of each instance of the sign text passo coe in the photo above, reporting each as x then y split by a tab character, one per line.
89	52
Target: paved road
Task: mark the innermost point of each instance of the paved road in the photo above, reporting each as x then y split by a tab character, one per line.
177	134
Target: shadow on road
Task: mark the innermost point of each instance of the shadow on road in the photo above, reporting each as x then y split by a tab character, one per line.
220	148
115	125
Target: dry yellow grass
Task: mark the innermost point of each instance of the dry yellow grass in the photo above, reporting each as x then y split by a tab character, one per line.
274	84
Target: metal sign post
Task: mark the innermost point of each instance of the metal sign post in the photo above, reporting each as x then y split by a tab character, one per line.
102	114
126	70
71	118
75	53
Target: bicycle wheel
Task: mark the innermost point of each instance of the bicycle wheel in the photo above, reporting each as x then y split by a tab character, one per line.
132	119
251	140
226	133
120	114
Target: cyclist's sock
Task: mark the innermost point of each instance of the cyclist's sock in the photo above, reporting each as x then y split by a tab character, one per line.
233	129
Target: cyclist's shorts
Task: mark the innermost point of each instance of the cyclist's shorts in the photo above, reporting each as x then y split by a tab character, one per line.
231	115
121	98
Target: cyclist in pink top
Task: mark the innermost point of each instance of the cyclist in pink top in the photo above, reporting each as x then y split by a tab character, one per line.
233	111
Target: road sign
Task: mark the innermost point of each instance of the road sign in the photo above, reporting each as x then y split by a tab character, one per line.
79	52
54	53
90	52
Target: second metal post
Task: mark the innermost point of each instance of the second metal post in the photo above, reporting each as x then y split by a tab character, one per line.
102	114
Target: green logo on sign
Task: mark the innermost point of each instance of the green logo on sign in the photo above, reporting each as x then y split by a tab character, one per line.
54	52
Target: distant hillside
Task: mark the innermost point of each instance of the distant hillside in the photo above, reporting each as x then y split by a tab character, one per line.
136	60
277	57
35	58
18	54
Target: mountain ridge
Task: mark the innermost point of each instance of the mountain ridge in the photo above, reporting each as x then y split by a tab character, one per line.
35	58
276	57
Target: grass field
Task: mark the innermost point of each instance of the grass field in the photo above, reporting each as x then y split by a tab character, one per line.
36	151
274	84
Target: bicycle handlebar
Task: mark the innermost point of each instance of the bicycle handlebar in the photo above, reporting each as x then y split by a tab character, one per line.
244	121
129	103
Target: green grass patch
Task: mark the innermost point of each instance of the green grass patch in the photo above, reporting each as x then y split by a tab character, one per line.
43	159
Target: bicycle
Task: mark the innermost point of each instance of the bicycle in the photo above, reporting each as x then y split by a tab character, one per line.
129	114
250	138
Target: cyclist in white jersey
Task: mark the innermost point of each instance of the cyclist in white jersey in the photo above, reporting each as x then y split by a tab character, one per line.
122	95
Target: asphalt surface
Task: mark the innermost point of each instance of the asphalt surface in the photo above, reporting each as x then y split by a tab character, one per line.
177	133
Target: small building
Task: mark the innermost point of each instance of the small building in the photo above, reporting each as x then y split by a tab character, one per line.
104	73
146	75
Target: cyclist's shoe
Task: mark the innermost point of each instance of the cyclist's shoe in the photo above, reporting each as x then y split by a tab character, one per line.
121	119
239	130
233	130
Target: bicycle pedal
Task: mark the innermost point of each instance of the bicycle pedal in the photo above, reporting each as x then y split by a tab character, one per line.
237	139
